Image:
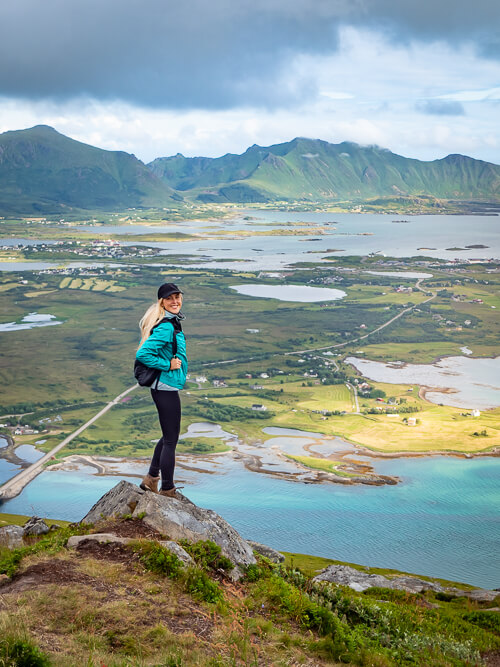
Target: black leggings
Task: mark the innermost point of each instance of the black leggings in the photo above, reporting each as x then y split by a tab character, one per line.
168	405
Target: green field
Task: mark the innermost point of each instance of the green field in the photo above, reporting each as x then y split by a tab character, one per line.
89	357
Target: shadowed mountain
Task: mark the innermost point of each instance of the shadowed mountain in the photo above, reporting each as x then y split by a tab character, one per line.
315	170
43	171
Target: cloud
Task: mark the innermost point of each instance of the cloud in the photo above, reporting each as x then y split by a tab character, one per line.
473	95
440	108
214	55
150	133
333	95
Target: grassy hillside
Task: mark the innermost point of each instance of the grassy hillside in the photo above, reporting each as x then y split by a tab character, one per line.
310	169
42	171
118	605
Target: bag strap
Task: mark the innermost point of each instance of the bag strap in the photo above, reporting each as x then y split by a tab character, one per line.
174	339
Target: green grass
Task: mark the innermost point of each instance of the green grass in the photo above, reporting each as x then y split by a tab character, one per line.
202	446
320	464
20	520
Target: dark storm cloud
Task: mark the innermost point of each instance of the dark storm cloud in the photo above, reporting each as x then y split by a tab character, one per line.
197	53
440	108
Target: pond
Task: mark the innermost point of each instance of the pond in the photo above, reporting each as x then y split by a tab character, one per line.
30	322
297	293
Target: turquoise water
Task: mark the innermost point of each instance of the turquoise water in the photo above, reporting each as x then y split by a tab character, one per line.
442	520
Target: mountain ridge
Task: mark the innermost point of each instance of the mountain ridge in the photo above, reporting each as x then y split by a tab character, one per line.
45	172
313	169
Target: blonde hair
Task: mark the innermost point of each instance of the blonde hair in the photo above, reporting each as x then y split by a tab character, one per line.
154	314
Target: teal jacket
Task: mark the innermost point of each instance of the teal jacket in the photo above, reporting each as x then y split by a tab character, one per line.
157	351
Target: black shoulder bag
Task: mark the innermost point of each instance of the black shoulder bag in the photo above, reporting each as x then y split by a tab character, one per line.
145	375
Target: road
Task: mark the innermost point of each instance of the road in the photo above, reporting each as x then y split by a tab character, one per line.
370	333
14	486
354	390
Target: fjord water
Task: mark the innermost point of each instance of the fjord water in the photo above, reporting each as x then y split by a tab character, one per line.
442	236
474	383
441	520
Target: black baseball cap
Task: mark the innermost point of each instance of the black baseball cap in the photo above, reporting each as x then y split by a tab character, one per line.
167	289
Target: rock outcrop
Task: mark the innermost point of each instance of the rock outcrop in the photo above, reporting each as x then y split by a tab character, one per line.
35	526
11	537
360	581
122	499
177	518
268	552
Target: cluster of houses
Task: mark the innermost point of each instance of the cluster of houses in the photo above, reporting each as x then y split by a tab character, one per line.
26	429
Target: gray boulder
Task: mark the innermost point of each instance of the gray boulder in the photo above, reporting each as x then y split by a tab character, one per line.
35	526
11	536
120	500
181	519
268	552
176	549
479	595
177	518
360	581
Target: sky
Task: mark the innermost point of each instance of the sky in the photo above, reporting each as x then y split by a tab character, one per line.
209	77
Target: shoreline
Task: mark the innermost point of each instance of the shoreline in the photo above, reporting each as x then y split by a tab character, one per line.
358	472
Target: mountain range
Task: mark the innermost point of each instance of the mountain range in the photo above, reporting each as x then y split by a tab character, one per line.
43	171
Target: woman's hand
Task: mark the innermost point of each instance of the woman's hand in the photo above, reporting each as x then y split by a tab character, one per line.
175	364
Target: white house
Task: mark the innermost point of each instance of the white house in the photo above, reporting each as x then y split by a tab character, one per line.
259	408
476	413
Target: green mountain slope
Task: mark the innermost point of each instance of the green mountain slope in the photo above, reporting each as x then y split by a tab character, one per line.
310	169
43	171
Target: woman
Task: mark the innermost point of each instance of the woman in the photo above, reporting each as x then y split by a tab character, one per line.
157	349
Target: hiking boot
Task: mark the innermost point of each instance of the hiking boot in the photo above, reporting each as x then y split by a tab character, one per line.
150	483
170	493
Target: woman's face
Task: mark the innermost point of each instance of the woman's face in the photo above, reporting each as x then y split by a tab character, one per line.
173	303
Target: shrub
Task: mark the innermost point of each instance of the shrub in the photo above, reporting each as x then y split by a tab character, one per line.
201	587
10	559
21	653
157	559
208	555
253	572
489	620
